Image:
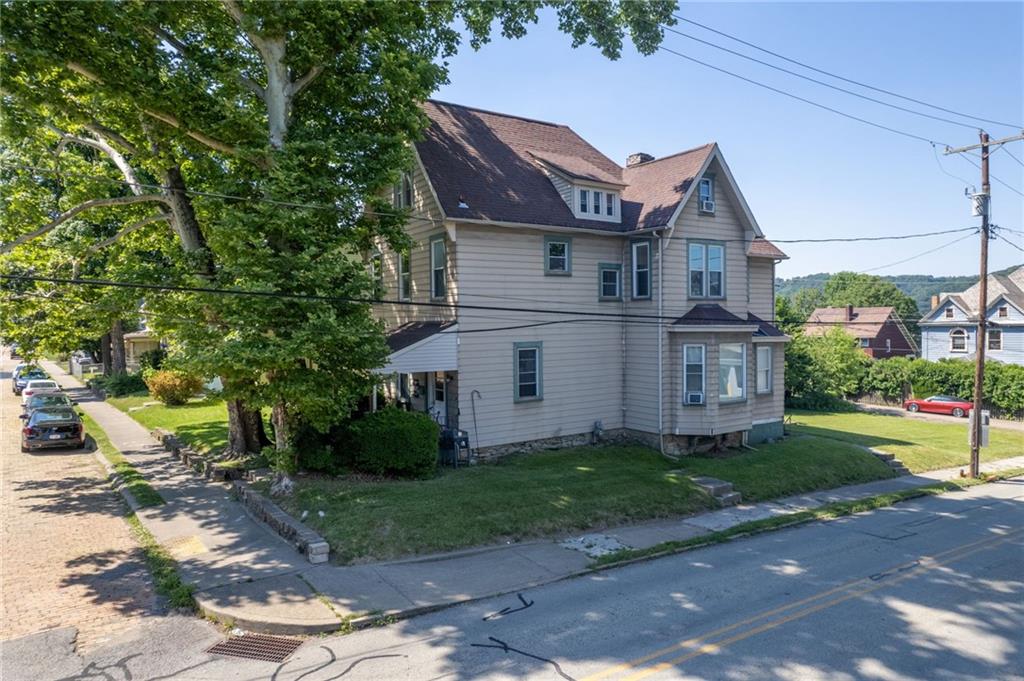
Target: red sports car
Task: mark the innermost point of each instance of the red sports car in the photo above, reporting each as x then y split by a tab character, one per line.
940	404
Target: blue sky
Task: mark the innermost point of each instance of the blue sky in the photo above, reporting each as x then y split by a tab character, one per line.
806	173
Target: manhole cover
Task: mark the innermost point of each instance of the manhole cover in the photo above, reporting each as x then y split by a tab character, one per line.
257	647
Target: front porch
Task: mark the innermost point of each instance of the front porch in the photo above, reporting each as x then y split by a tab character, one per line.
422	371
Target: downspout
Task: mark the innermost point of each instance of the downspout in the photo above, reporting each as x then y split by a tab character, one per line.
661	338
626	267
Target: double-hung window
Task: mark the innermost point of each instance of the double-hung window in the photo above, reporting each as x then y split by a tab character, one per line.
404	275
609	207
402	193
958	340
609	281
732	370
995	339
707	270
557	255
706	195
584	201
693	374
377	270
949	312
528	370
764	368
1003	312
641	269
438	277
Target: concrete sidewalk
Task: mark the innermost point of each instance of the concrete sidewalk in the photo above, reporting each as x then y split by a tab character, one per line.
246	574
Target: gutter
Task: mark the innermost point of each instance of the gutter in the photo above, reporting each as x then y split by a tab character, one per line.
558	228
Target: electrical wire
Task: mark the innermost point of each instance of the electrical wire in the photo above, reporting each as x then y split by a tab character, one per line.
785	93
1010	154
848	80
942	169
973	163
820	82
919	255
1003	238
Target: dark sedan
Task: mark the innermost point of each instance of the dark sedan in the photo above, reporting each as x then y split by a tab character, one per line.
52	427
47	400
24	375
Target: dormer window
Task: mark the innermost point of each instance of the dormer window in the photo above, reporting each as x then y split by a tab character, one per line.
597	204
706	195
949	312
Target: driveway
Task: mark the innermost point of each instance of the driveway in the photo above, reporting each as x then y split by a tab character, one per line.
1002	424
68	557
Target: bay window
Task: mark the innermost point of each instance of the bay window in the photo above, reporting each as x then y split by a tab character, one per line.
764	368
693	374
732	370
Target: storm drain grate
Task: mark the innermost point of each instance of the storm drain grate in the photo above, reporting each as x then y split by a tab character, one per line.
257	647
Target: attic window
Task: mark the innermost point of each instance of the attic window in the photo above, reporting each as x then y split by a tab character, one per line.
402	192
1004	311
949	312
706	195
596	204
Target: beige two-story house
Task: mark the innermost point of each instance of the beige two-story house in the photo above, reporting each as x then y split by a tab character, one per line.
554	297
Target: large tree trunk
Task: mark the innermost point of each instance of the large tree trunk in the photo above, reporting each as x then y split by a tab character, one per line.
245	429
105	353
117	356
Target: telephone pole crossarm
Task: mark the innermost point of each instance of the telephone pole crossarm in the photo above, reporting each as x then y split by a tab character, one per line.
971	147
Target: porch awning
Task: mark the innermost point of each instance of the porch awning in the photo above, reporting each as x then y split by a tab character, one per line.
421	347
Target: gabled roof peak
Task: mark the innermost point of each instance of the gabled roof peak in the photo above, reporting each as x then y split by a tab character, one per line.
699	147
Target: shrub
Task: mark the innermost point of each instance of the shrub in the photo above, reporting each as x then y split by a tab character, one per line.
888	378
173	387
151	360
120	384
395	442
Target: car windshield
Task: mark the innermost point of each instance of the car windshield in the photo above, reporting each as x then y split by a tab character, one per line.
38	401
42	385
45	415
32	375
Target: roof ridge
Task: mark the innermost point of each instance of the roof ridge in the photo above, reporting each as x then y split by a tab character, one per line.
499	113
678	153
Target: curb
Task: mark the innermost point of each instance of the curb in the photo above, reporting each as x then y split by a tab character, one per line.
281	627
117	482
263	510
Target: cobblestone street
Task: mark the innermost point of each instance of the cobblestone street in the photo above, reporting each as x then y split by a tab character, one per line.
68	558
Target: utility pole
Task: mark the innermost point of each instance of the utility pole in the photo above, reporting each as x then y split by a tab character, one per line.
982	205
979	354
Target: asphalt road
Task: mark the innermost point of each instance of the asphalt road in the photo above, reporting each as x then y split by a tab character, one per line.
930	590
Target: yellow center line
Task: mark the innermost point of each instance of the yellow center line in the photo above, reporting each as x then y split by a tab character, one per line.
689	643
926	563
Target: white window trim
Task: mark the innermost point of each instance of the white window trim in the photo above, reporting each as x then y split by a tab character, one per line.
742	375
703	374
948	314
957	333
404	288
710	182
435	266
988	339
596	210
757	370
705	247
634	271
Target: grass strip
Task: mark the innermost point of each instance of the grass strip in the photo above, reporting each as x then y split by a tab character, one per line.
163	567
827	512
131	479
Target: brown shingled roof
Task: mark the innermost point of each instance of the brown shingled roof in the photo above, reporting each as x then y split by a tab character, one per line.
491	161
867	322
762	248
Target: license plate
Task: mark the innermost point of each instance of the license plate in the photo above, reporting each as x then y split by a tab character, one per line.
57	436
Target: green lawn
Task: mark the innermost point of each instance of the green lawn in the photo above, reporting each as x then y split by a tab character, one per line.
203	424
797	464
921	445
132	479
552	493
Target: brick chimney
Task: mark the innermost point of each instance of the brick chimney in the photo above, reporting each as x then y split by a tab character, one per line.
849	313
638	158
935	301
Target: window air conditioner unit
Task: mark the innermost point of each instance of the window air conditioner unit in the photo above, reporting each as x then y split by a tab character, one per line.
695	398
707	206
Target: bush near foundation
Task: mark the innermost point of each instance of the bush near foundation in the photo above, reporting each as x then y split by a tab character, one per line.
394	442
173	387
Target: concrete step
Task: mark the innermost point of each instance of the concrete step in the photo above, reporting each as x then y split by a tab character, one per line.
730	499
884	456
902	470
895	463
713	486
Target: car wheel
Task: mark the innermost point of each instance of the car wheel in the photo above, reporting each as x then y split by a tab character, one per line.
958	412
25	450
913	408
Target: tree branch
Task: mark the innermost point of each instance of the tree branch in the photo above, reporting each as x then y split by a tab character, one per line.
253	86
99	142
128	230
303	82
67	215
114	136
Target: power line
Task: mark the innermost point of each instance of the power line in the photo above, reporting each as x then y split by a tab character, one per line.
865	121
1010	154
942	169
820	82
1005	240
919	255
848	80
1010	187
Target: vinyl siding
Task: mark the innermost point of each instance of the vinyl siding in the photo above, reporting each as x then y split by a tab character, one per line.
640	397
421	231
563	186
771	405
935	344
762	287
939	313
582	362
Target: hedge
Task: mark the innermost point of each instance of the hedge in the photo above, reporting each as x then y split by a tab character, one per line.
394	442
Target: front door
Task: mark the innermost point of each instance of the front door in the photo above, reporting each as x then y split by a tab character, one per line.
439	406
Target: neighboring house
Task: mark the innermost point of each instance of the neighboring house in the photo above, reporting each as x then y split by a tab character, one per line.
525	215
949	330
135	344
878	330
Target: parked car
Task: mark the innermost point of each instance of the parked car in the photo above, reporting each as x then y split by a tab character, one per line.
52	427
47	400
36	386
25	374
940	404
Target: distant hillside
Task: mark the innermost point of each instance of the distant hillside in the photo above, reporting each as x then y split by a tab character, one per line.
920	287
